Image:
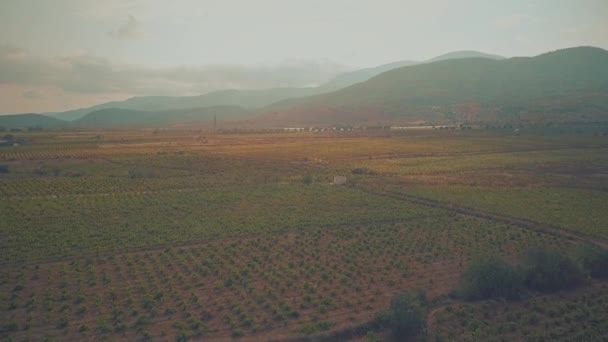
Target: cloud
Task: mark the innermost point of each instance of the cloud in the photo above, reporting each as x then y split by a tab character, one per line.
92	76
129	30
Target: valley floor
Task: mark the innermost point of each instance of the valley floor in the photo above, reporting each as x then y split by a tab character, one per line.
175	235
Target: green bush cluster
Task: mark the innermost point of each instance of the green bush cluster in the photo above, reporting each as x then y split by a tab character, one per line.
541	270
594	260
491	278
548	271
406	316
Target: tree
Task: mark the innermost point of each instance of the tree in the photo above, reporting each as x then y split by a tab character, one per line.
593	260
491	277
307	179
547	270
405	317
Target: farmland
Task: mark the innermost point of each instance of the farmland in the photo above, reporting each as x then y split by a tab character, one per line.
175	235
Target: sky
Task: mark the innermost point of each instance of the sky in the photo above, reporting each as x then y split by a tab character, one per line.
57	55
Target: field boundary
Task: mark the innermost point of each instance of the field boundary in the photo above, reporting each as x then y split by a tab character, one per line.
520	222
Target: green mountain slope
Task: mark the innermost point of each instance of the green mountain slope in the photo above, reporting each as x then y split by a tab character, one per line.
127	118
349	78
464	54
565	85
24	121
253	99
241	98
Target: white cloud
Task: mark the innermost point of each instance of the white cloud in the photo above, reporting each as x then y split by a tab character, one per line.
92	76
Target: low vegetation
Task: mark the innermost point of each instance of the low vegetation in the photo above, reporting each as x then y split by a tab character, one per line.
541	269
549	270
405	317
491	277
137	235
594	261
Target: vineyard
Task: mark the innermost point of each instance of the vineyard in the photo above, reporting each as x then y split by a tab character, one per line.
176	235
556	317
253	286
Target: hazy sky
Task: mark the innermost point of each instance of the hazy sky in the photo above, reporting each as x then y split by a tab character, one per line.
63	54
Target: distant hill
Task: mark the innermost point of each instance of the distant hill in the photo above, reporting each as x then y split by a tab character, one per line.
24	121
349	78
126	118
252	99
564	85
241	98
464	54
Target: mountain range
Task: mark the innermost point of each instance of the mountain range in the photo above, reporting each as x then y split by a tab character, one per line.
255	98
564	85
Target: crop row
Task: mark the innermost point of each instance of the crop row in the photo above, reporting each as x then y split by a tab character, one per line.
36	228
579	210
579	316
251	285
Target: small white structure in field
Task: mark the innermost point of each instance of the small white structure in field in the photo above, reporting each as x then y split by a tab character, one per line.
339	180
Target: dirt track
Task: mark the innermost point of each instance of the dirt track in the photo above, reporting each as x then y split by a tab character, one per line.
523	223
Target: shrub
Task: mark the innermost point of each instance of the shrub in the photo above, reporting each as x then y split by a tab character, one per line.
491	277
593	260
307	179
237	332
63	322
317	327
548	271
362	171
405	317
10	327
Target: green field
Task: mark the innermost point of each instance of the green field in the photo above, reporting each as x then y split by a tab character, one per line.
137	235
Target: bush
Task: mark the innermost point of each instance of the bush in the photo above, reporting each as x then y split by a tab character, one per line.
362	171
236	333
491	277
4	169
405	317
307	179
593	260
548	271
